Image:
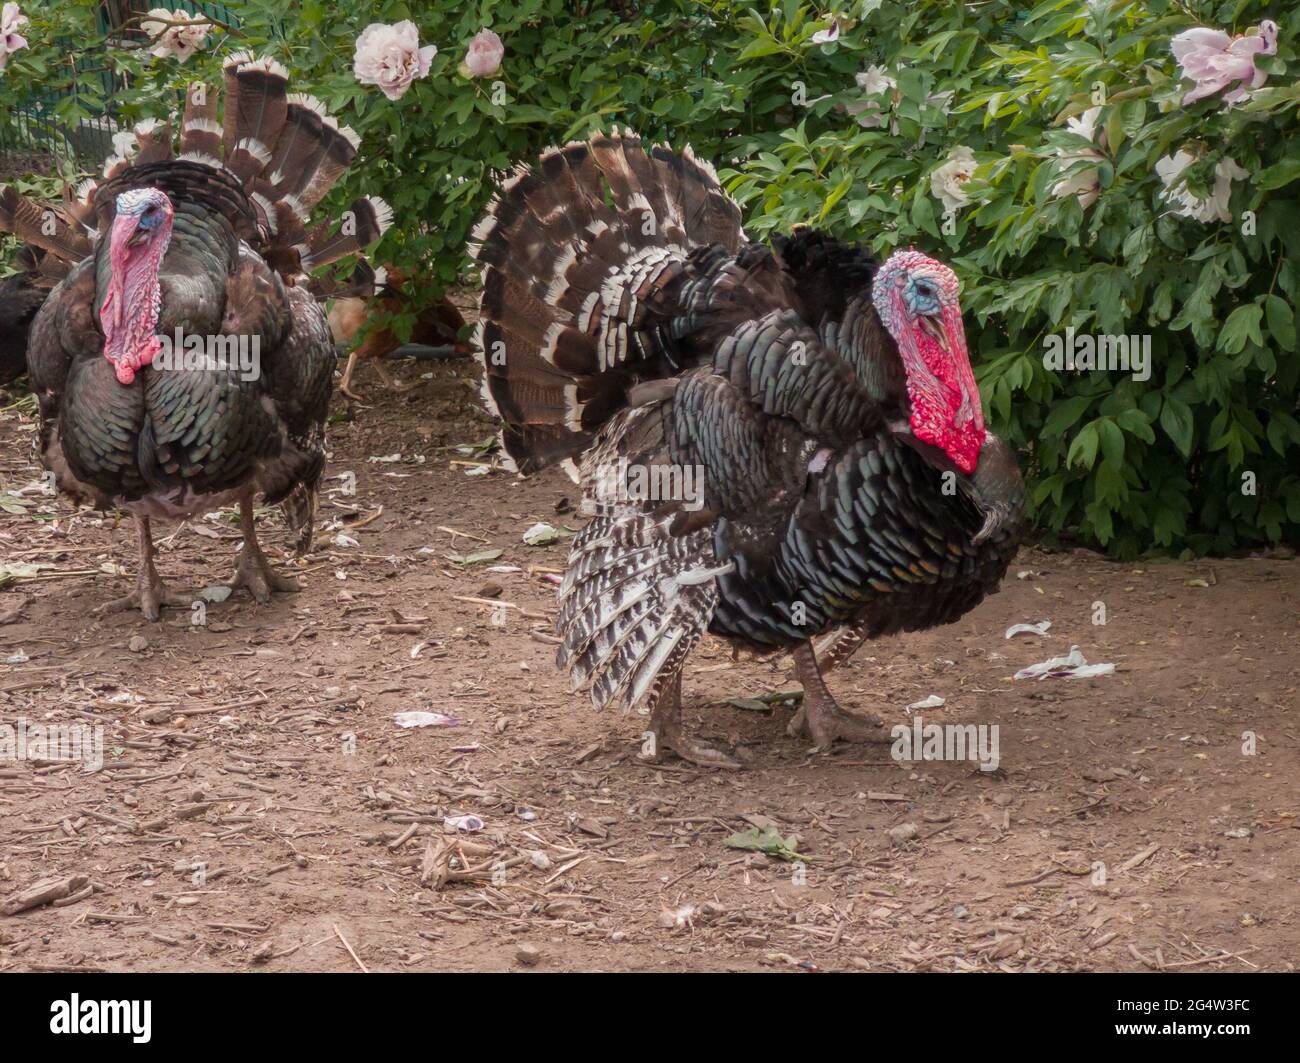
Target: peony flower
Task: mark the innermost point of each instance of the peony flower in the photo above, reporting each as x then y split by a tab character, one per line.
873	82
1171	168
1084	182
485	54
390	57
946	183
180	41
1214	60
11	21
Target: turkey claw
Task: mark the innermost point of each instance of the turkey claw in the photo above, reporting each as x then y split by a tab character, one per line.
149	597
825	723
696	752
256	573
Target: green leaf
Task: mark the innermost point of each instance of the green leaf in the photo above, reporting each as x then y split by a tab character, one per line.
767	841
1112	442
1065	415
1281	321
1084	447
1242	326
1176	419
1278	175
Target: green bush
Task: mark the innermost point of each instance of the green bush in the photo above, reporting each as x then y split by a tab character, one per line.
1200	456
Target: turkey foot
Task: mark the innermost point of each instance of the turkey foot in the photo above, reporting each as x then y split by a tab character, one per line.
150	593
666	726
253	570
820	716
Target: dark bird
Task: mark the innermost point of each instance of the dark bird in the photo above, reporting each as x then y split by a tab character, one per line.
21	296
183	364
777	444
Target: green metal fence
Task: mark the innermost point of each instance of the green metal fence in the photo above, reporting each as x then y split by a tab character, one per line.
35	127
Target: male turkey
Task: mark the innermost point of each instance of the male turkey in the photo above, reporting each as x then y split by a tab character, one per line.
210	248
825	402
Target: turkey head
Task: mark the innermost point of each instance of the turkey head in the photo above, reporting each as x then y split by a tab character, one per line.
916	299
141	231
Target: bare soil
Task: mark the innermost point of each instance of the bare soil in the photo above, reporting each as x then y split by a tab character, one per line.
261	809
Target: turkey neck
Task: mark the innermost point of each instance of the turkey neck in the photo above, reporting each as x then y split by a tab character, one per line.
860	339
192	276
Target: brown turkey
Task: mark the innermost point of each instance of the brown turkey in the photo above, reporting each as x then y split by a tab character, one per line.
183	364
808	416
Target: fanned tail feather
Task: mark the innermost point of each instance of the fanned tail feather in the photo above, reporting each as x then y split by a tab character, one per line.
575	252
276	156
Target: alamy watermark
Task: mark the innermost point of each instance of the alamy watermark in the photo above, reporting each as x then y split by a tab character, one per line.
77	743
623	481
213	353
1128	354
947	741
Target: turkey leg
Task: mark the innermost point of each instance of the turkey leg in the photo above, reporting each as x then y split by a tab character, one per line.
666	726
150	593
820	716
253	570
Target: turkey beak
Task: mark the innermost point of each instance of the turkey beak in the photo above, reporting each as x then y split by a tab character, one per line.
138	237
935	328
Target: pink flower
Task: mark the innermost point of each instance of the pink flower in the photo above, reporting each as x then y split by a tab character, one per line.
485	54
1214	60
11	21
391	57
181	41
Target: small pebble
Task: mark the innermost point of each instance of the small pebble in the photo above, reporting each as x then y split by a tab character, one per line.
528	955
138	644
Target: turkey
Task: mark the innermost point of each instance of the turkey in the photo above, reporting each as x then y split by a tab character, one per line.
183	363
21	296
781	445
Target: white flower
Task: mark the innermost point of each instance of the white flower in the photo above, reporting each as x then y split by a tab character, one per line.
829	34
390	57
1085	182
11	21
181	41
873	82
1171	168
485	54
946	183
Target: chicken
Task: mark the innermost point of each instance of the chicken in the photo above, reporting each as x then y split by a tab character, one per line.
435	326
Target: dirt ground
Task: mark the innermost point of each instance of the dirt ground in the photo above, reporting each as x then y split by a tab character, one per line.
260	809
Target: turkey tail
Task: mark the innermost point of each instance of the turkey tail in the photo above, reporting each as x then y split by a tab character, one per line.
283	151
366	221
255	107
42	226
200	130
574	253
